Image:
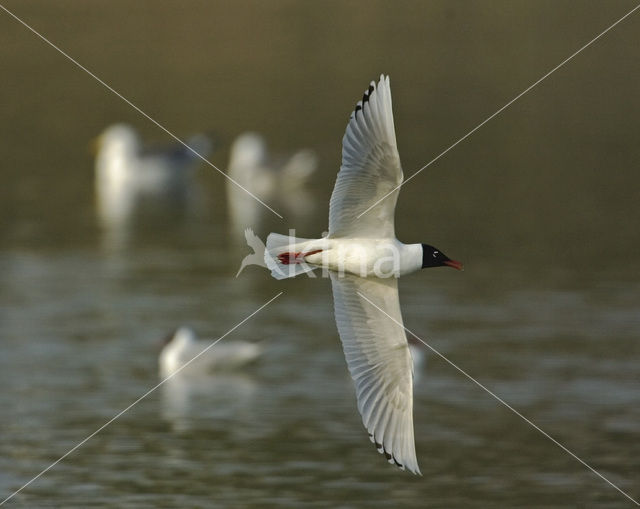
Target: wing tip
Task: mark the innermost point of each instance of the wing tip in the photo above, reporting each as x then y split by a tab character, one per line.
373	86
411	465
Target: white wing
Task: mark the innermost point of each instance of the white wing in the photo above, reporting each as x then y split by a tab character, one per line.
370	169
379	361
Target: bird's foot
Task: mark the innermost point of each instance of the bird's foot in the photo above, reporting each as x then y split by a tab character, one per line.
290	258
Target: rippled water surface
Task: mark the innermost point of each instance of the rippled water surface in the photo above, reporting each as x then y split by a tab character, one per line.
541	204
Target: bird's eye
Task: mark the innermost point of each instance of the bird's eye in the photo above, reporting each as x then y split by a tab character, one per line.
435	253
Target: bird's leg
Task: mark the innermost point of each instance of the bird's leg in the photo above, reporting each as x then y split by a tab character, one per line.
289	258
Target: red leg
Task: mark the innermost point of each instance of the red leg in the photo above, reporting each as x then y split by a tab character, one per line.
289	258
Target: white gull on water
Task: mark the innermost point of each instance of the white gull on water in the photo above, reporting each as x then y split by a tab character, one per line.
129	174
364	260
280	181
183	347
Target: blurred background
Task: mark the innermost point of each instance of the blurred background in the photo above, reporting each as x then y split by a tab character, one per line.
541	204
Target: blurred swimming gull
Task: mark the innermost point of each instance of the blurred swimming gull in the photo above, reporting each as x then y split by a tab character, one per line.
183	345
128	173
280	182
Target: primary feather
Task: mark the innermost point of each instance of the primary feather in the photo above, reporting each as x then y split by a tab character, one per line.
370	169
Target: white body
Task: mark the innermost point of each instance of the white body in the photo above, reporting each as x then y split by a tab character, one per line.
358	256
185	355
369	257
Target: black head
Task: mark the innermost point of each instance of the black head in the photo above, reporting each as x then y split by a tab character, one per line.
432	257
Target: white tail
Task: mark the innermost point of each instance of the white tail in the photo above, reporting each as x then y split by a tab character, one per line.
278	245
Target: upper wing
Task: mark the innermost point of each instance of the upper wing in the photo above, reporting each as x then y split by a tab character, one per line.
370	169
379	361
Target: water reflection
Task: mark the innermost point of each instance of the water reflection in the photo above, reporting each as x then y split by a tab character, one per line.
206	397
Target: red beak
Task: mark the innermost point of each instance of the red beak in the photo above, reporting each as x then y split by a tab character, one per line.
452	263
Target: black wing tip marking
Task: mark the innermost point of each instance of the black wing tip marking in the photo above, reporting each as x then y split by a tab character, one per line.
365	98
389	457
367	94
